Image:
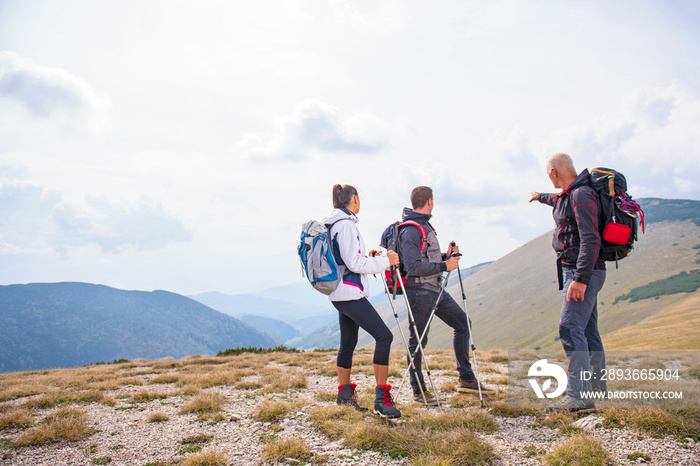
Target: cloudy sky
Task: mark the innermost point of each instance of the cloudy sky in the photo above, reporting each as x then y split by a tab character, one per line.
180	145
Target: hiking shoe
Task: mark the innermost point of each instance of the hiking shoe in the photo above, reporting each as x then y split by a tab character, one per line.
346	396
571	404
472	386
384	403
429	399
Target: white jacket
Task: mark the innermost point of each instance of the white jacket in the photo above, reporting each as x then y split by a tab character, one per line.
347	242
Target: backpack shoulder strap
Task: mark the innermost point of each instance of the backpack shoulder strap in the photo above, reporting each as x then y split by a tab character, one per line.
330	225
423	233
610	175
334	245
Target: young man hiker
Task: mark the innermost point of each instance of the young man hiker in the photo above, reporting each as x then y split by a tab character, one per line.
423	268
581	276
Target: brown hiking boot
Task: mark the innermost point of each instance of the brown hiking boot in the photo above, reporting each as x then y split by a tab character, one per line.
429	399
472	386
571	404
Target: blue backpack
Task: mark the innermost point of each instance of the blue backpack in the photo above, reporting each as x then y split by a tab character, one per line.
316	256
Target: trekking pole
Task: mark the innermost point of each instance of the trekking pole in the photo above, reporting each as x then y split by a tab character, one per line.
398	323
412	322
420	340
471	338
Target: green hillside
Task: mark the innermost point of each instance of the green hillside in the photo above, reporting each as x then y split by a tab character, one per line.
49	325
514	302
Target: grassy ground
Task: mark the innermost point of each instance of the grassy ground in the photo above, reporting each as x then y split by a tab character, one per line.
44	408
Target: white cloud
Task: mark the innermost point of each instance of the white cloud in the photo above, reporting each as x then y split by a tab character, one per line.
39	219
667	138
25	222
49	94
117	226
315	128
653	140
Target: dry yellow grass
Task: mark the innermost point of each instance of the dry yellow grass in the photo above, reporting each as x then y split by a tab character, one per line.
16	418
157	417
561	420
205	403
579	450
326	370
203	380
289	447
423	436
503	409
280	379
201	360
189	390
64	397
167	363
134	381
675	326
496	380
65	424
21	390
205	458
145	397
273	410
657	422
248	385
165	379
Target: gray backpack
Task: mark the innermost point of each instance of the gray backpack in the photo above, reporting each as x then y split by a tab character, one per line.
316	256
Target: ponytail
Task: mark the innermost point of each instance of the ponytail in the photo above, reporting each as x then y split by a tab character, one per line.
342	195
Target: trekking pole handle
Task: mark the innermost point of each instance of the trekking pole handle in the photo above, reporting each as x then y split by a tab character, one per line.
459	273
455	254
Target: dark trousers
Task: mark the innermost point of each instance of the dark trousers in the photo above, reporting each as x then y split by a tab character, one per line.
578	330
422	302
360	313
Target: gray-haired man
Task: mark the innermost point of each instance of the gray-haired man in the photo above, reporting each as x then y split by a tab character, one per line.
581	272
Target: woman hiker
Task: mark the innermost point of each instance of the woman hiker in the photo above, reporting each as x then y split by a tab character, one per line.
350	299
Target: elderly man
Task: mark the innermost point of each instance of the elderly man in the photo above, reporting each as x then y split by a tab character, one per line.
581	274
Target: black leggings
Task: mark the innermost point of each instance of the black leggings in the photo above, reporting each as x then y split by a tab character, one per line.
360	313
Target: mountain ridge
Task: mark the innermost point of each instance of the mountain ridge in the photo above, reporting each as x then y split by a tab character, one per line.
66	324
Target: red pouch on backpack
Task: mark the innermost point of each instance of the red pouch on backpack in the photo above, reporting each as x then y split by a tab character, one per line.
617	233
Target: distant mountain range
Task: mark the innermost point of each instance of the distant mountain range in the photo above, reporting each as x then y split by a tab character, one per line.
277	306
49	325
514	302
275	329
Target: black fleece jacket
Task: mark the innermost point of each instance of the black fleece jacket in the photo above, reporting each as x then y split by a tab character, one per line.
576	238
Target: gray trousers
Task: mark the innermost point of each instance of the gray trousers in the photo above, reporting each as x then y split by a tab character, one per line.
578	330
